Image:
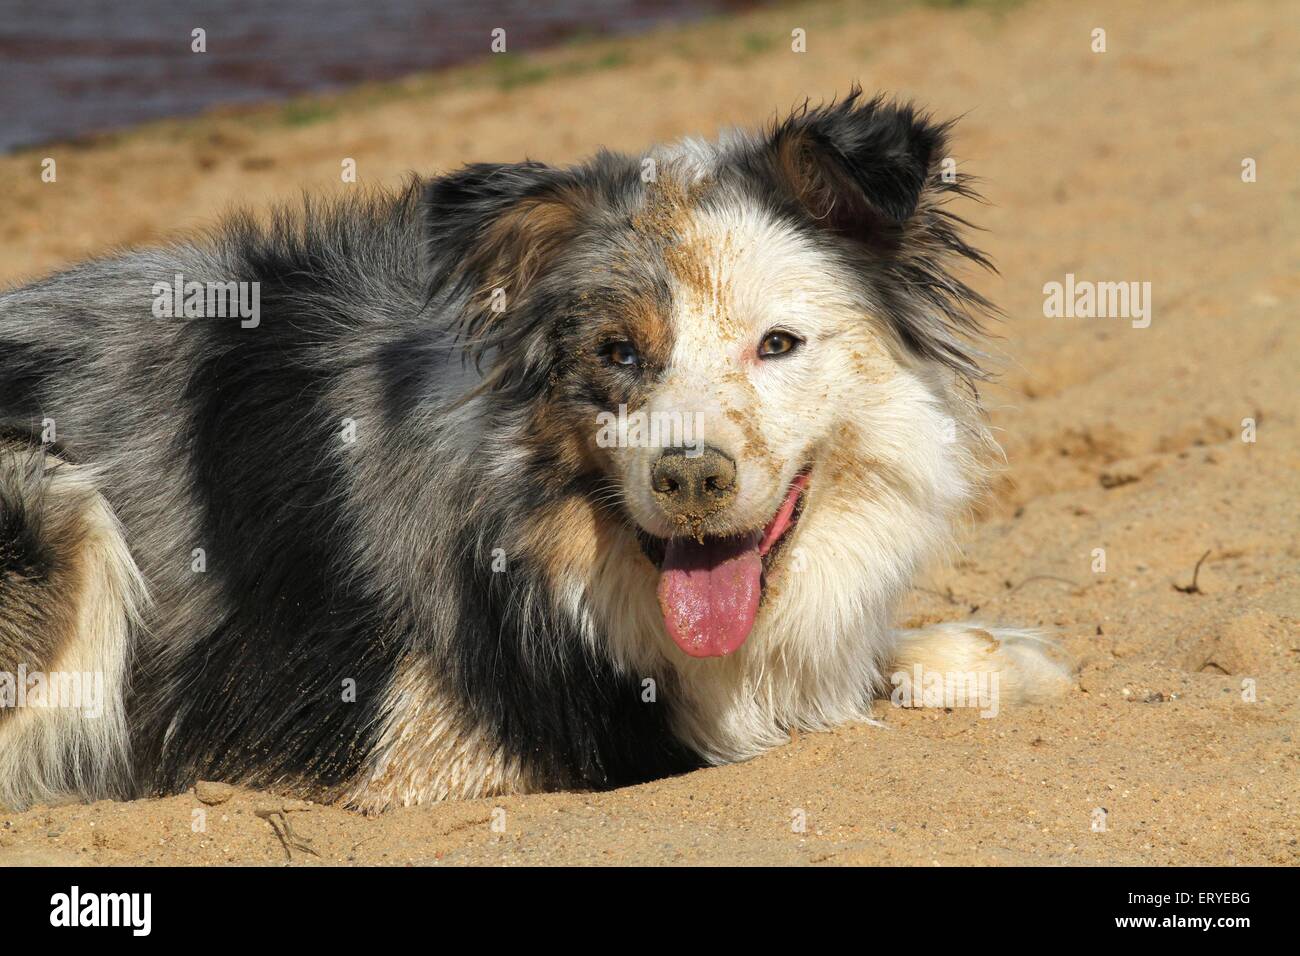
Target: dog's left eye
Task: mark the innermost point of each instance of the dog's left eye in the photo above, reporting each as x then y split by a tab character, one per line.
621	353
778	342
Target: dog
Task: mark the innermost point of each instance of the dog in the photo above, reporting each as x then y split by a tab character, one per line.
517	478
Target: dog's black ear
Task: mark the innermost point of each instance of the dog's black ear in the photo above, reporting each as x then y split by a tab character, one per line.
859	167
869	171
491	229
498	221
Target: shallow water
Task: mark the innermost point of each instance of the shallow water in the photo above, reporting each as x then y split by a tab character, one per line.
70	67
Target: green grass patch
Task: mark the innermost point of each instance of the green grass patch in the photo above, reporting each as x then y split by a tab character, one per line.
305	113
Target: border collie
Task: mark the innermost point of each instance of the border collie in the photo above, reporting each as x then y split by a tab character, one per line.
518	478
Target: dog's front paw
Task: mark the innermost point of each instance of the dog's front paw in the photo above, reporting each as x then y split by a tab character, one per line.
1024	661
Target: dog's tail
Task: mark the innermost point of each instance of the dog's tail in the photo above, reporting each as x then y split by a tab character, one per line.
70	594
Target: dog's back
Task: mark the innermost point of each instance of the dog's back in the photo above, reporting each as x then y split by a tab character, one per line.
207	456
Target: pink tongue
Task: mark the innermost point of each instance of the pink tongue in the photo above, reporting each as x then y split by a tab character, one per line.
709	592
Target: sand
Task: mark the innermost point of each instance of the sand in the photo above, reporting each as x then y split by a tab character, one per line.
1122	166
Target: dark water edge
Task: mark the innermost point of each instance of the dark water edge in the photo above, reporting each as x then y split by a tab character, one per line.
74	67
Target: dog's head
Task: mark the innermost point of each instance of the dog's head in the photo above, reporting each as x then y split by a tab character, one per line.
751	349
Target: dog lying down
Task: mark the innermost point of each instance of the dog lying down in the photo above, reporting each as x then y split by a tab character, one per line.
519	478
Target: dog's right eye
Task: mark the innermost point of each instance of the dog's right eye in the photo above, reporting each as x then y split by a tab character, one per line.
621	353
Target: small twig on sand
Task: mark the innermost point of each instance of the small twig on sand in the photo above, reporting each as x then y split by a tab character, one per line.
946	594
285	832
1044	577
1194	588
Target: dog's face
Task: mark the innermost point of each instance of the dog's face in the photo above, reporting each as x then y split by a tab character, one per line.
736	342
763	345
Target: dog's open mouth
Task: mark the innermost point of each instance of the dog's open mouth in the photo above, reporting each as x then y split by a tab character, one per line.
710	589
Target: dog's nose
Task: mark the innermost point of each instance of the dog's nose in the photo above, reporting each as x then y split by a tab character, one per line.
693	487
